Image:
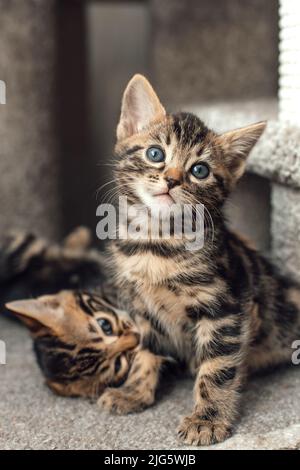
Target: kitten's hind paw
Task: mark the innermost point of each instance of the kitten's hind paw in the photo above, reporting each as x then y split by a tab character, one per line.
194	430
121	402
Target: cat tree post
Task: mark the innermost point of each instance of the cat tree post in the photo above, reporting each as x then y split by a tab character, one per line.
29	158
289	49
285	199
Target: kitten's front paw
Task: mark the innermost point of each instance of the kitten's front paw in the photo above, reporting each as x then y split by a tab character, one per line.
194	430
119	402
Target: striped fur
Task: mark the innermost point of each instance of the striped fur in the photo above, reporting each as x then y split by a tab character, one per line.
31	266
222	310
76	353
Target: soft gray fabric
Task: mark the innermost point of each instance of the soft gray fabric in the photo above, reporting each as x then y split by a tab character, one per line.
31	417
286	229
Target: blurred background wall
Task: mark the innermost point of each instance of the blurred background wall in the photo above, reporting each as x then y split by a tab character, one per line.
66	63
29	141
118	45
215	50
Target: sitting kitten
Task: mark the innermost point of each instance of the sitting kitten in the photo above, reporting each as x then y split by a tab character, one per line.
222	310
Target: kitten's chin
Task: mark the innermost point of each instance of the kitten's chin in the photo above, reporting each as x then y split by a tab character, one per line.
162	204
159	204
163	200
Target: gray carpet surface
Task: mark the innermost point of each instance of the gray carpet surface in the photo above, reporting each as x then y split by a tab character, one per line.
31	417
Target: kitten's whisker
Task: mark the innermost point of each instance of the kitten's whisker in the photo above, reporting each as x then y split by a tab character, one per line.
103	186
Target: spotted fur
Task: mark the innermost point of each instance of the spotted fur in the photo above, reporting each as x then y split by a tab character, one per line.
222	310
76	353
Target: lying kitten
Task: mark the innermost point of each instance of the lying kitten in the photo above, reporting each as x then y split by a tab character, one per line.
82	343
222	310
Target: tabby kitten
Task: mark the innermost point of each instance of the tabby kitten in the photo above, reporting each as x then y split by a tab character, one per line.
82	343
221	310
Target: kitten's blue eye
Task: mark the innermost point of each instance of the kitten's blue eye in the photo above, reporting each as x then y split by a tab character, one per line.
105	325
200	171
155	154
117	364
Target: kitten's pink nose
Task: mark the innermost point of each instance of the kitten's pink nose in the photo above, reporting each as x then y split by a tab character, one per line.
129	341
173	177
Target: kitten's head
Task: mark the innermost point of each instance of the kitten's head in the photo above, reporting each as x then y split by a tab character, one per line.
166	158
82	343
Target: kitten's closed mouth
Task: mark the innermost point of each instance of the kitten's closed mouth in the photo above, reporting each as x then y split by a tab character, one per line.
164	198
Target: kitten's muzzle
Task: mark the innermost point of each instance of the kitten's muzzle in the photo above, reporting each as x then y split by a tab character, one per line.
173	177
129	340
171	182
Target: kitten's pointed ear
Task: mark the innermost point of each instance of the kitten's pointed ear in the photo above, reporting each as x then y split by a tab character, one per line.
237	145
45	311
140	106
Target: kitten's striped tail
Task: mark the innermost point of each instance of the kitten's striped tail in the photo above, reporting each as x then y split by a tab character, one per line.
32	266
17	249
294	297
